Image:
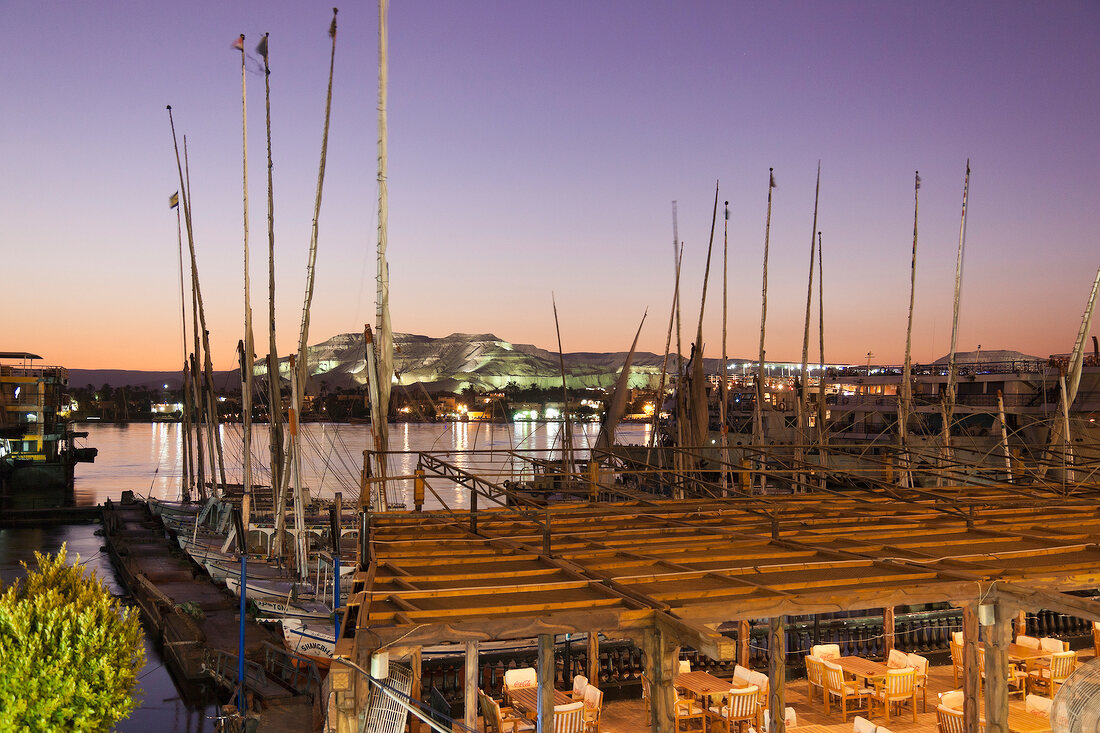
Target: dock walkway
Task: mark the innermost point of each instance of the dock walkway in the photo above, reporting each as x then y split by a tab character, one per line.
197	622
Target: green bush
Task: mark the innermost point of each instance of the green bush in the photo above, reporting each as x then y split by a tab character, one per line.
69	652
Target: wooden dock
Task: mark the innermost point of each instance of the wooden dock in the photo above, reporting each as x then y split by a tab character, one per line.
197	622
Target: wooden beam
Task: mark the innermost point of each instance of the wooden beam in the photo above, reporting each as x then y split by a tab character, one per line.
594	658
1029	598
710	643
971	673
744	634
777	674
888	628
471	686
546	683
996	669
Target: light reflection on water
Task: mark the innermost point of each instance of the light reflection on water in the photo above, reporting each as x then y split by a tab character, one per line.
147	458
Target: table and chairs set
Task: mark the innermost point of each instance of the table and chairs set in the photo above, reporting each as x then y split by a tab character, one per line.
577	711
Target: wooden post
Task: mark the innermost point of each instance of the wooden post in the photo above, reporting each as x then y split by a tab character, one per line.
415	691
594	658
473	511
996	669
777	674
1021	624
971	674
661	664
471	685
593	480
888	629
744	634
546	683
418	489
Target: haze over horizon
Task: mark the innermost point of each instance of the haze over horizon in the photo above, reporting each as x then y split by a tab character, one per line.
536	150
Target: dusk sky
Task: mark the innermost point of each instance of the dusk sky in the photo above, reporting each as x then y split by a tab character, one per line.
536	148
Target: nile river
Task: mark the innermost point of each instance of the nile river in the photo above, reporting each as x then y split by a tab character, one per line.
146	459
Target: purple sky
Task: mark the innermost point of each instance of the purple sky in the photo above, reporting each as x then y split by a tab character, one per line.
536	148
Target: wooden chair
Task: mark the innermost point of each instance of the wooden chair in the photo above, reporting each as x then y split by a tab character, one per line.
950	721
687	712
920	664
1096	638
520	677
1049	676
1031	642
593	704
897	659
579	683
898	686
742	707
956	660
501	720
835	686
741	674
762	683
815	672
646	699
1050	644
569	718
685	666
826	651
952	700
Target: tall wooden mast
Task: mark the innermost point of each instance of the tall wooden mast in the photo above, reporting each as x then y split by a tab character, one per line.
801	434
758	432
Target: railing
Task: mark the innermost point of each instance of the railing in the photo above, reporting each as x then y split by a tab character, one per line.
293	670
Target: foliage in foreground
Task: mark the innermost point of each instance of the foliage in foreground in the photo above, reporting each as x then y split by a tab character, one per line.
69	652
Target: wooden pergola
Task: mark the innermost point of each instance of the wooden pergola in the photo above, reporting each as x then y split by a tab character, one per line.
667	573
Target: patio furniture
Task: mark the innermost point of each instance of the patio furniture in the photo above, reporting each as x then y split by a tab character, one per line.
593	704
1028	641
862	725
825	651
1050	644
519	678
898	686
950	721
741	707
897	659
956	660
790	719
1096	638
920	664
687	713
761	682
501	720
580	682
1016	679
685	667
952	699
569	718
526	700
741	674
815	672
1049	676
836	686
1038	704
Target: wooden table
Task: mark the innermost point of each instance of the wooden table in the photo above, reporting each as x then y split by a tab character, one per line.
704	683
526	700
1021	721
815	729
860	667
1018	653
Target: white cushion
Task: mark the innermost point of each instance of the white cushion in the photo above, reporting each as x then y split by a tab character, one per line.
862	725
897	659
826	651
957	636
568	708
685	666
522	677
952	700
1038	704
580	682
1029	641
740	673
759	679
1051	645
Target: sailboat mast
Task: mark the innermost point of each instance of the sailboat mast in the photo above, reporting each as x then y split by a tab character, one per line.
659	403
907	367
247	347
274	393
948	408
185	422
567	430
723	380
804	374
822	434
383	336
758	413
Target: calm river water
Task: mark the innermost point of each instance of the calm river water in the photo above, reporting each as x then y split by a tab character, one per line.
146	458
